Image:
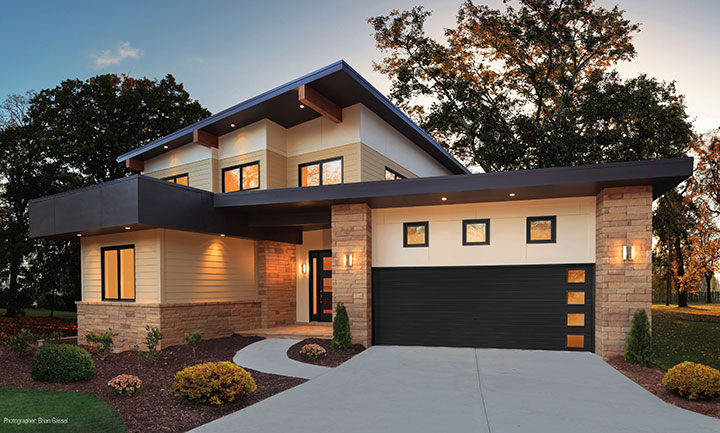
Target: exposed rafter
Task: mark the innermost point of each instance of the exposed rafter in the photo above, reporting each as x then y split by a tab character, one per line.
310	97
205	138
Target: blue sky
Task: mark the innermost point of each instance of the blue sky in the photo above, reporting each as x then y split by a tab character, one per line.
227	51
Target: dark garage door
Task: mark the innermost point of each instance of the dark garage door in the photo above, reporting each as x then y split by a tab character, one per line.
525	307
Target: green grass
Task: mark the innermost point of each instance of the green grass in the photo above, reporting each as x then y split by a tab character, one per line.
686	334
84	412
46	313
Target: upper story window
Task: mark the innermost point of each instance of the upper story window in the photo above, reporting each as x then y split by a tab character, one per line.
241	177
391	174
326	172
180	179
541	230
118	273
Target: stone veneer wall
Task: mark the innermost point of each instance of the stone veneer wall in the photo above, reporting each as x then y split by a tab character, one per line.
276	279
624	217
128	320
352	234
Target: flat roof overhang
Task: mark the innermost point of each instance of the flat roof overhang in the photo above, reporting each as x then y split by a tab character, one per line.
338	82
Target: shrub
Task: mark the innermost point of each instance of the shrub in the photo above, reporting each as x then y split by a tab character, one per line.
62	363
214	382
125	384
152	341
103	342
638	346
693	381
193	339
20	343
313	351
342	338
51	338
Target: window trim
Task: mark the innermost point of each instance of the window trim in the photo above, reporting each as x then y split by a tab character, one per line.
102	273
398	176
553	229
240	181
320	163
176	177
416	224
485	221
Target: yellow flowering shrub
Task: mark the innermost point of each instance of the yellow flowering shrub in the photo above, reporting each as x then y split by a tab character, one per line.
214	382
693	381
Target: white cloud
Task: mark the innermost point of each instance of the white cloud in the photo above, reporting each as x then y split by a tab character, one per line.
123	51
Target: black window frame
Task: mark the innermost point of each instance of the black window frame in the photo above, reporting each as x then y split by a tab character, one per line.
416	224
119	273
397	175
240	181
485	221
553	229
174	178
320	170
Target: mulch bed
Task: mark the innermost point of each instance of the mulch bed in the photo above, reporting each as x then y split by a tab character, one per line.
333	358
651	379
38	325
154	408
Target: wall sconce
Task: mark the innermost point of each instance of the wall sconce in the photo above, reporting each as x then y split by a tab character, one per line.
348	260
303	268
627	252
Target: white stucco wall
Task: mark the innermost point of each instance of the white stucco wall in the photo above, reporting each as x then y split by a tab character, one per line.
575	234
312	241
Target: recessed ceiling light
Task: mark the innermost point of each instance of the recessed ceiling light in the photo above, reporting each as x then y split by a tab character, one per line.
166	147
232	125
444	199
127	227
512	194
302	106
222	235
79	234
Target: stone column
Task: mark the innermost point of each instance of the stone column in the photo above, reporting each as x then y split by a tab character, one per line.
352	285
624	217
276	283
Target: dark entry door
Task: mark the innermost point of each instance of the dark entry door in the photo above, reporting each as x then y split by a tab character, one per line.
321	286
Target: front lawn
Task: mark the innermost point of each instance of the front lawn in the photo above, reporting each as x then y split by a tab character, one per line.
686	334
43	410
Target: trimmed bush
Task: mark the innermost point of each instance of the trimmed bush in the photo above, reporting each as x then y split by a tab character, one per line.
103	342
62	363
638	345
214	382
313	351
693	381
342	338
125	384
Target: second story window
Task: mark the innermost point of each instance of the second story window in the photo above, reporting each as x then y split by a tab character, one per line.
241	177
180	179
327	172
391	174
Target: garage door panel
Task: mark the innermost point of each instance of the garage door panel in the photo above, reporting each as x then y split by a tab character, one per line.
484	306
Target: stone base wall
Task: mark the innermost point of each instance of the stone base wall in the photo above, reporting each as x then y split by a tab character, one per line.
128	320
276	276
624	217
352	285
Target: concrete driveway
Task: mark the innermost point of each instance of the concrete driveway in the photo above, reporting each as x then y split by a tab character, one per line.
424	389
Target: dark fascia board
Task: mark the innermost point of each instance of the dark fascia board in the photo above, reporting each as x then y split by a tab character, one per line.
588	180
141	202
387	110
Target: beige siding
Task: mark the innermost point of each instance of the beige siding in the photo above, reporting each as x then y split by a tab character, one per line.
258	155
199	173
276	170
206	268
147	263
374	163
351	162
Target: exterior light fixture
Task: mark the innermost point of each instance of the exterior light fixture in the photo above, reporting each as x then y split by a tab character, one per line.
303	268
302	106
627	252
232	125
348	260
222	235
512	194
127	227
166	147
444	199
79	234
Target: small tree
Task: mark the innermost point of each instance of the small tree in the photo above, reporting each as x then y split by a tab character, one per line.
152	341
638	348
342	338
193	339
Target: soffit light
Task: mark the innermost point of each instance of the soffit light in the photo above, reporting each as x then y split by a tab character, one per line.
232	125
166	147
444	199
222	235
127	227
302	106
512	194
79	234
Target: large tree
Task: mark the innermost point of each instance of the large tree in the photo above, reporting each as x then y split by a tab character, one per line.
530	86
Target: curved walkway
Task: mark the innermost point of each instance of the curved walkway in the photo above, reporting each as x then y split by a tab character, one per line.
270	356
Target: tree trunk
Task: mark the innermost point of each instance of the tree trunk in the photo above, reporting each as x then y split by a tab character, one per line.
708	280
682	294
668	288
12	299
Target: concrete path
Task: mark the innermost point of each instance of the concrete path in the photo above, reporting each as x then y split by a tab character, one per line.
422	389
270	356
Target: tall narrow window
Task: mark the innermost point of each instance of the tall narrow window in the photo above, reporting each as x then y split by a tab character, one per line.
476	232
327	172
391	174
118	273
241	177
541	230
180	179
415	234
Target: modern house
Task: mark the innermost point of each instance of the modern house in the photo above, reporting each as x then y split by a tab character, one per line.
321	191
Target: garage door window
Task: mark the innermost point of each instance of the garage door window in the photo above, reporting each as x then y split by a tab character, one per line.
576	276
575	341
415	234
576	298
476	232
576	319
541	230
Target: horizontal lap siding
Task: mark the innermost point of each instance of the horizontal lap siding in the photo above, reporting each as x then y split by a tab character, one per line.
199	173
276	170
374	163
200	267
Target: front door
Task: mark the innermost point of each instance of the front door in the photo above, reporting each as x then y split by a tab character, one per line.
321	286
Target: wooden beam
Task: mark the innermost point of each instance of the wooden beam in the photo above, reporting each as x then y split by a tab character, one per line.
310	97
135	164
205	138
